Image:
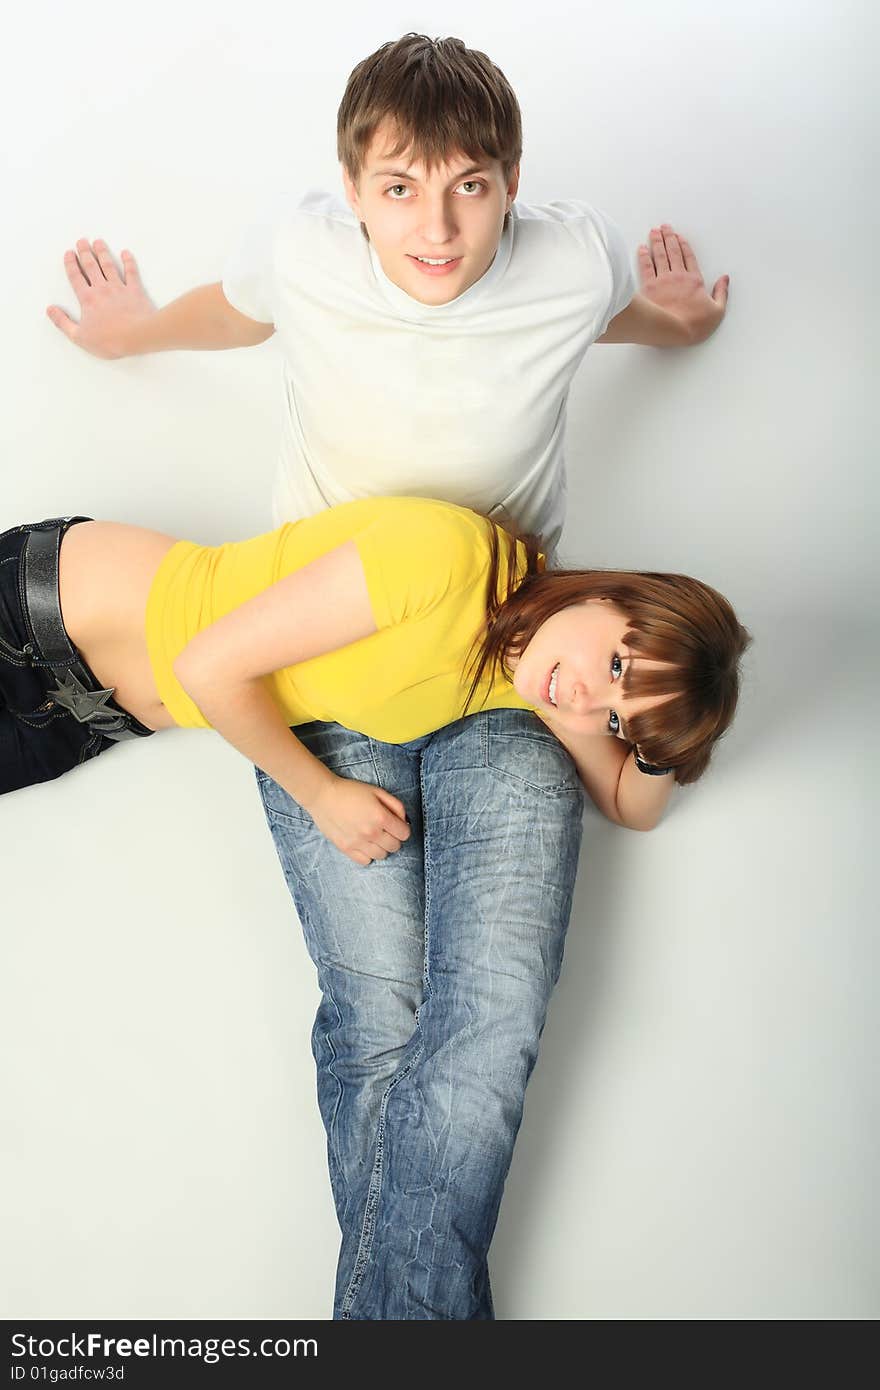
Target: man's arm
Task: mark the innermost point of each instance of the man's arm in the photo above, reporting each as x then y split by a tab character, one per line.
118	319
673	308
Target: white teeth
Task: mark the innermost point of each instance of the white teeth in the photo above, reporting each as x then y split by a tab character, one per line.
553	679
425	261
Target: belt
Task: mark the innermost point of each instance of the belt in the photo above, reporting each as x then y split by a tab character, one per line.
42	610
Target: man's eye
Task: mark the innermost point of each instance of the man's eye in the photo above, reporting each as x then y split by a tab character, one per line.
393	187
616	667
472	183
613	722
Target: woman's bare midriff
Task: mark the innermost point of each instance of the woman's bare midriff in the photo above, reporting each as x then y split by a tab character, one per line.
106	572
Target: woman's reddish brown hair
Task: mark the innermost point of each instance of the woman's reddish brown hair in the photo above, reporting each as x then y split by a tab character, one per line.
672	618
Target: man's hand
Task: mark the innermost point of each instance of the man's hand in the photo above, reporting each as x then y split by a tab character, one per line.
363	821
111	304
672	280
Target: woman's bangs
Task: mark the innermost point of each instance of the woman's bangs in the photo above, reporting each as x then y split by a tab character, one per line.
671	733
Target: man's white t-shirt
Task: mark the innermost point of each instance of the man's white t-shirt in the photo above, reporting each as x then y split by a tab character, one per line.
464	401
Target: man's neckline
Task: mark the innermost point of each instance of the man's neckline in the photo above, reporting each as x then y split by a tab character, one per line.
411	308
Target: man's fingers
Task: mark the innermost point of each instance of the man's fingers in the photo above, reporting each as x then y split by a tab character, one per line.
720	289
690	260
106	261
63	321
130	273
673	247
646	265
658	250
78	281
92	271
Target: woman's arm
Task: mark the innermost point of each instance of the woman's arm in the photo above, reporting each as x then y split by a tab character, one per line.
317	609
608	771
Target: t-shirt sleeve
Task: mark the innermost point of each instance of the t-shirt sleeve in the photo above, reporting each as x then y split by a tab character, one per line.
606	257
417	554
623	285
249	272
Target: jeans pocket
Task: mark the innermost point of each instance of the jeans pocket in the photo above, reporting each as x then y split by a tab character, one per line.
531	761
278	804
40	716
344	752
93	748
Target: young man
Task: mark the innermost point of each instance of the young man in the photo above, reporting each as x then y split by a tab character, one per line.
431	329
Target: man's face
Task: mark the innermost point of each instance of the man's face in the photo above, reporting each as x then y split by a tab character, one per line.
454	215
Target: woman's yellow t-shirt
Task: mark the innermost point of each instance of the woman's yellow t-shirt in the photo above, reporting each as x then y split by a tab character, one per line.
426	564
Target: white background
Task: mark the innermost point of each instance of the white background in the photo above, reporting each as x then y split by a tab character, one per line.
700	1134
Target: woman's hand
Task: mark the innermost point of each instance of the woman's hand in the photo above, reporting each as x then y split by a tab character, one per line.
363	821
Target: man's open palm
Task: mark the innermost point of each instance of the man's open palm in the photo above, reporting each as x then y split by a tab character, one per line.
110	301
671	277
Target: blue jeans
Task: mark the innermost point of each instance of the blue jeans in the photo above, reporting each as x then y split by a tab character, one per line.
436	967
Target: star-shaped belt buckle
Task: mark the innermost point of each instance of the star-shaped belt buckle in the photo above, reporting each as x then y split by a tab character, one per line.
83	704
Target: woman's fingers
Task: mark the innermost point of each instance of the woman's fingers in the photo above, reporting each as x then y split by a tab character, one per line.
394	823
364	822
382	843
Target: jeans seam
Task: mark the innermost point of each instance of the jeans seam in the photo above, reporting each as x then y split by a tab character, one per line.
50	719
373	1193
22	598
570	784
88	748
9	654
332	1137
426	871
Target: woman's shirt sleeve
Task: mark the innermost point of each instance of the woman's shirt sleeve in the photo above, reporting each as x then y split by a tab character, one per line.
418	554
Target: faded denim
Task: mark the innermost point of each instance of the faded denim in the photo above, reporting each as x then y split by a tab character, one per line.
436	967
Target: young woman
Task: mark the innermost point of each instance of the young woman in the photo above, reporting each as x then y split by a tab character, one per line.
367	627
390	616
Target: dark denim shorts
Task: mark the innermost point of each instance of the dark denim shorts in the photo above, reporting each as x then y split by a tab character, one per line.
39	739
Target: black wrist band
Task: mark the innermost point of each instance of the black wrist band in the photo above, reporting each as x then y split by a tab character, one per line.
649	768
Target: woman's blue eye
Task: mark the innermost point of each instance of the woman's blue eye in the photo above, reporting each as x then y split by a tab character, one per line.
613	722
616	666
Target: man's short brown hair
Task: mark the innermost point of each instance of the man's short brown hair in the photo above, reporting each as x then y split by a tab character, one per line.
440	97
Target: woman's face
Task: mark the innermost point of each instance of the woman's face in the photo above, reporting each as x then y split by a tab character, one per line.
572	671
